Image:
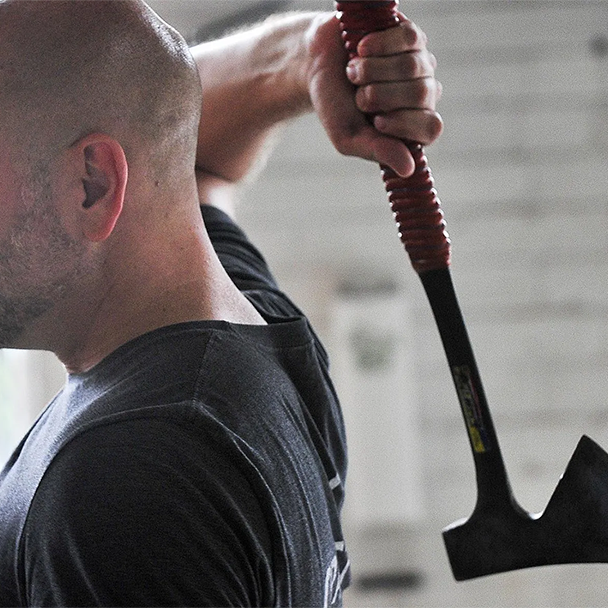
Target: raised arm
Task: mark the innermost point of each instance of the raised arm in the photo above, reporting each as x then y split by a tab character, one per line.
255	80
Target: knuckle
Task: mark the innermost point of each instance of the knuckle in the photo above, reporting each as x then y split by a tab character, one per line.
424	67
430	92
434	127
413	37
421	93
418	64
410	37
367	99
409	65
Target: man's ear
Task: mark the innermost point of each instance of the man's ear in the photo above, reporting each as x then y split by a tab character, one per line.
104	174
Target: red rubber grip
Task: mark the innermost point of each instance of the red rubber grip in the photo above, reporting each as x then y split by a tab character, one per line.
414	200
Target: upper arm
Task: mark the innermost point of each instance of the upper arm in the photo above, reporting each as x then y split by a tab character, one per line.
143	513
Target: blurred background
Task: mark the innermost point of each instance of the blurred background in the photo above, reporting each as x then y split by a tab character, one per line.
522	173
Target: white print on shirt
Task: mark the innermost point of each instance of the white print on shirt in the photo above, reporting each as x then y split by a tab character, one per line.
334	578
332	588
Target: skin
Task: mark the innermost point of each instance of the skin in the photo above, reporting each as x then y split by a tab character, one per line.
35	236
104	159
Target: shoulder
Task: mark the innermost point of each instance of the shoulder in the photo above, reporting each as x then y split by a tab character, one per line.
145	512
135	464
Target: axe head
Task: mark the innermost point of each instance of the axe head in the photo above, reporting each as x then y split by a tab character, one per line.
573	528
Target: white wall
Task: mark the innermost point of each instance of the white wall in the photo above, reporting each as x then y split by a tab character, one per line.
28	381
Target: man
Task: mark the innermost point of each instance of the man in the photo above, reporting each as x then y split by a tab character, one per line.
196	455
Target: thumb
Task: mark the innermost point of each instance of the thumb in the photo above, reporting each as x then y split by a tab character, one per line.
368	143
394	153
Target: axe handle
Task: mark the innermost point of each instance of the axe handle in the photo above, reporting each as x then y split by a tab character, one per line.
421	225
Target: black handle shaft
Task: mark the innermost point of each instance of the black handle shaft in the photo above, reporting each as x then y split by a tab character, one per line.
492	481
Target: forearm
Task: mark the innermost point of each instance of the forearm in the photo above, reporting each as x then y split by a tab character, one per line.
252	82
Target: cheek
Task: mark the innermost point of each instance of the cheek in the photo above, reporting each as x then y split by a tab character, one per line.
11	200
7	214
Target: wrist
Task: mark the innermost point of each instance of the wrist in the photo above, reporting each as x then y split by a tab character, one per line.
287	46
322	40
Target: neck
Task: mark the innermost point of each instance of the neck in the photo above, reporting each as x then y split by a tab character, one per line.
145	285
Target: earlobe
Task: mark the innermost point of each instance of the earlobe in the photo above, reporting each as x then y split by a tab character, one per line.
104	181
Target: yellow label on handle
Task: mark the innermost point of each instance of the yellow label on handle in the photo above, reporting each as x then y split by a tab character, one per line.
469	403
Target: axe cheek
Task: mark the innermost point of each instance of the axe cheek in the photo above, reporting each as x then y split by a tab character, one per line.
499	537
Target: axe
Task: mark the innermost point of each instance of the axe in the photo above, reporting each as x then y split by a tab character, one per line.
500	535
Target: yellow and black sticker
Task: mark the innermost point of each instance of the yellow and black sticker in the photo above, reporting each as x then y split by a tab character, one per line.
469	402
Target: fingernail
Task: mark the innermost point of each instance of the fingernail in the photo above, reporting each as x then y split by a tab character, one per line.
352	71
380	123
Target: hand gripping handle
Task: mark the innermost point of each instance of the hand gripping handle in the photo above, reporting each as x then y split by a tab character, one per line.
413	200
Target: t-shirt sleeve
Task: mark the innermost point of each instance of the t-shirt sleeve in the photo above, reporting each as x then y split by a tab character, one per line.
141	513
245	264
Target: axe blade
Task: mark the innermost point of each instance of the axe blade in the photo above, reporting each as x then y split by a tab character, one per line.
573	528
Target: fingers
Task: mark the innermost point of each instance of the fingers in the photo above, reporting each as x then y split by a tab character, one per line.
393	153
404	109
422	94
405	37
397	54
395	94
407	65
395	79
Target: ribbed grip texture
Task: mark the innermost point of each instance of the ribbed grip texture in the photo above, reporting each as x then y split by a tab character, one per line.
414	200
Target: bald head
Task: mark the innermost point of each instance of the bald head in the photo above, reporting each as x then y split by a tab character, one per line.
69	68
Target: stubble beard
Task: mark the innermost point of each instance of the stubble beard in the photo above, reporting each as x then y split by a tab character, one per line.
38	264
